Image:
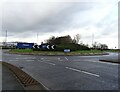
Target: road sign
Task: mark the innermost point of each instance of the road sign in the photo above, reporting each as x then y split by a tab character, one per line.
21	45
35	46
53	46
44	46
48	46
66	50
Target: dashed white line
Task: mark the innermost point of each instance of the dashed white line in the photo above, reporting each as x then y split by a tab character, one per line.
47	62
13	60
60	59
29	60
83	71
42	58
16	58
50	63
66	58
19	55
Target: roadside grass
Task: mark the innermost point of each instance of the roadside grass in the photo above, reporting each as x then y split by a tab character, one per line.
80	52
21	50
113	50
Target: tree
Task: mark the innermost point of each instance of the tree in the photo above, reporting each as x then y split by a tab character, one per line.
94	45
104	46
59	40
63	40
76	38
51	40
100	46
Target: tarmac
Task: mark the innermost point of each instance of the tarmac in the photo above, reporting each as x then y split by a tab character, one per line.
69	72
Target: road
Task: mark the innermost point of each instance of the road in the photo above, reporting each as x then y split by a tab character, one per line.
69	72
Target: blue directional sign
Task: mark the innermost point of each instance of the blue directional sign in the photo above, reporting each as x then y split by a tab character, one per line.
66	50
21	45
44	46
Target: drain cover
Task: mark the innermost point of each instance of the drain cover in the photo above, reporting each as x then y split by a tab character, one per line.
24	78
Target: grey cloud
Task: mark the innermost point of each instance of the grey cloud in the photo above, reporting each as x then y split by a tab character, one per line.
108	27
56	21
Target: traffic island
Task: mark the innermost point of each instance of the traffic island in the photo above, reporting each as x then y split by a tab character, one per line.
110	60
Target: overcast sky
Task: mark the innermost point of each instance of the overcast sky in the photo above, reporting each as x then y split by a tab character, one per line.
24	19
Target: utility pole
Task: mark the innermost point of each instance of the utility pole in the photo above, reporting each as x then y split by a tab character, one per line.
6	38
92	38
37	37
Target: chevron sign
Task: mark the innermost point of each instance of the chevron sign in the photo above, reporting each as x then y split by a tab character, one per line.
44	46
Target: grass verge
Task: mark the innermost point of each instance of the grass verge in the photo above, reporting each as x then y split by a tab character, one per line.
82	52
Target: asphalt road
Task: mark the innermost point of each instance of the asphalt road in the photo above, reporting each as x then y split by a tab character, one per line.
69	72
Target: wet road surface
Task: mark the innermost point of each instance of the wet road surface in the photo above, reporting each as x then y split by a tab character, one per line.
69	72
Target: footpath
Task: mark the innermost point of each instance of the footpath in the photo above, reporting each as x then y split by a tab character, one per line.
12	82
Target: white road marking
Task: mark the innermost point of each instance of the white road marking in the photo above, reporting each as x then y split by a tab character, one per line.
50	63
44	85
66	58
17	58
12	60
83	71
47	62
42	58
25	58
29	60
19	55
60	59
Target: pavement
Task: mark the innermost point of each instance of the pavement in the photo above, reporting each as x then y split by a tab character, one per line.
9	80
69	72
14	81
0	77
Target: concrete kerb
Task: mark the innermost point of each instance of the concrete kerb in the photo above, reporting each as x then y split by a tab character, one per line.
25	80
111	61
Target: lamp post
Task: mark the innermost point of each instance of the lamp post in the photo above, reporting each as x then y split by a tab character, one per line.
92	38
